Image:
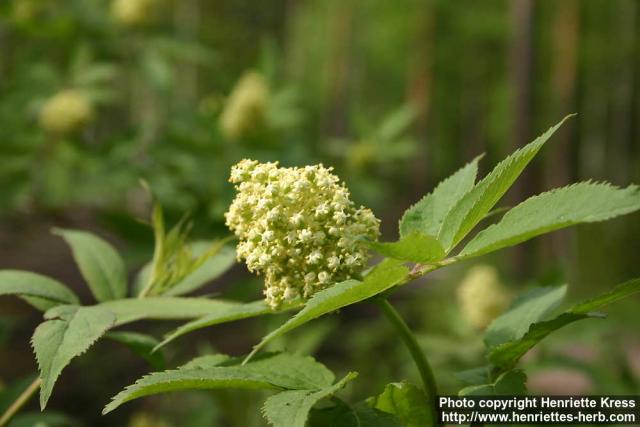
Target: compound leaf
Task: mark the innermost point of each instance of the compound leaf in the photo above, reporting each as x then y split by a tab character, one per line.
528	308
100	264
222	315
407	402
559	208
477	202
40	291
414	247
57	341
384	276
507	354
291	408
278	372
427	215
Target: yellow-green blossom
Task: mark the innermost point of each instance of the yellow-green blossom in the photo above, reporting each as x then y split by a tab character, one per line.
133	13
246	107
298	227
65	112
482	297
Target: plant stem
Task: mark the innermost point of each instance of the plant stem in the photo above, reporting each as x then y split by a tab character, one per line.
20	402
416	352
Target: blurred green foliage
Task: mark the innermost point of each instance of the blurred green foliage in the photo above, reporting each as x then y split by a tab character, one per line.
394	95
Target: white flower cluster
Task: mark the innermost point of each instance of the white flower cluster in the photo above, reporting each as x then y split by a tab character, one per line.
246	108
482	297
298	227
66	112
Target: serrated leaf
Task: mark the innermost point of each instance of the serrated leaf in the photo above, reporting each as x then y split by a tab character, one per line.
57	341
427	215
358	415
559	208
383	276
141	344
507	354
211	269
476	203
208	360
279	372
414	247
291	408
475	376
165	308
528	308
225	314
508	383
40	291
100	264
407	402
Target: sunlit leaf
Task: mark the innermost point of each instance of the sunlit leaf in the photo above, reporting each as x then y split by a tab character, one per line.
476	203
40	291
559	208
385	275
100	264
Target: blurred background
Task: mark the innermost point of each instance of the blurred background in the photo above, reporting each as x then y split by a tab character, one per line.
97	95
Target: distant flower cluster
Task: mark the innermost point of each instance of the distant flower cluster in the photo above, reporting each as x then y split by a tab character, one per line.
246	107
66	112
298	227
482	297
133	13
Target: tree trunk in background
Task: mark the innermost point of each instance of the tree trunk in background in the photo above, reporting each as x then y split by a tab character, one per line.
337	105
595	87
624	30
520	64
561	171
419	81
187	23
634	150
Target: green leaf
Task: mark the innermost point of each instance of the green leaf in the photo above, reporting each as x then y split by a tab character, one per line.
359	415
559	208
476	203
165	308
208	360
100	264
212	268
414	247
40	291
527	309
291	408
224	314
406	401
508	383
427	215
57	341
140	344
507	354
278	372
475	376
385	275
217	259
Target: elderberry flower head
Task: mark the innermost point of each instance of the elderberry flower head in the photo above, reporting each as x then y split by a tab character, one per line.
246	108
66	112
482	296
298	227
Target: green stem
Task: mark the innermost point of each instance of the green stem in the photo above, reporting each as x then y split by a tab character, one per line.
416	352
20	402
